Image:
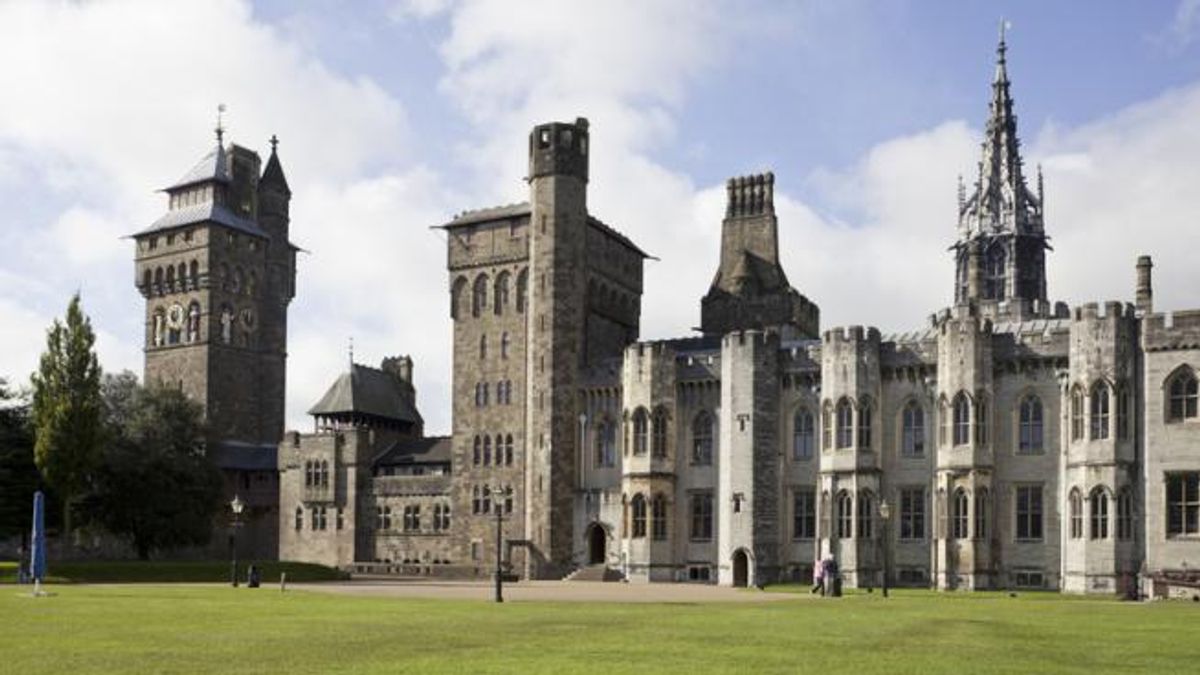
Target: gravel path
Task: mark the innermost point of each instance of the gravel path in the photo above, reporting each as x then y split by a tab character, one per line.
546	591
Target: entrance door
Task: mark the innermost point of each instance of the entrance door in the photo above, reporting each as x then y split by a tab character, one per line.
597	541
741	565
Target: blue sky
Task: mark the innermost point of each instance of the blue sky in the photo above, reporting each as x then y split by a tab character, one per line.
395	114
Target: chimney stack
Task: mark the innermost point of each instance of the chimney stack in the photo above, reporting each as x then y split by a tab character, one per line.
1145	286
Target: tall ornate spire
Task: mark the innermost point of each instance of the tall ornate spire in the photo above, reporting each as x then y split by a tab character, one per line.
1001	237
1001	201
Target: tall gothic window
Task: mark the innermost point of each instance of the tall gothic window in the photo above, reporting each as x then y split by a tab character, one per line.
845	515
702	438
866	515
804	514
995	273
1183	396
1183	504
826	427
1099	417
1122	412
845	423
1030	432
641	420
522	290
1076	414
1125	514
959	515
1099	504
912	514
981	513
479	296
1075	503
962	419
606	442
981	419
658	517
457	297
802	435
637	509
702	516
501	300
659	435
912	437
864	424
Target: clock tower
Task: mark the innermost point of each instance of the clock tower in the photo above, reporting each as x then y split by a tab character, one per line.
217	272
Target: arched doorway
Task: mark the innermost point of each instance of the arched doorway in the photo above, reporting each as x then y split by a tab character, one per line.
597	544
741	569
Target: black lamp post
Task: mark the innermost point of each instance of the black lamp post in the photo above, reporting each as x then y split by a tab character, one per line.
885	513
236	507
499	539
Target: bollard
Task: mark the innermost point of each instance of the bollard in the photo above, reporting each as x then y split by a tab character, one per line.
282	582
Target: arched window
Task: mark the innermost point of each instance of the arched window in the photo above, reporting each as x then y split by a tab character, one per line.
658	517
457	291
487	450
845	515
637	510
1030	432
1183	396
912	443
299	518
1122	412
158	278
194	273
864	424
826	426
606	440
147	279
802	435
1099	503
943	422
483	346
994	274
485	501
477	453
640	423
1076	507
1099	417
522	290
501	301
479	296
845	423
508	450
658	444
866	515
959	515
962	419
324	473
170	277
239	280
181	274
504	345
1076	413
702	438
981	513
981	419
1125	514
308	474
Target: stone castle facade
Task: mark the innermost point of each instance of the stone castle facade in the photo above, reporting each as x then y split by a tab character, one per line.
1010	442
217	272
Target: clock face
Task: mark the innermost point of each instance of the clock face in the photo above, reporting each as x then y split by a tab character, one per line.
248	318
175	316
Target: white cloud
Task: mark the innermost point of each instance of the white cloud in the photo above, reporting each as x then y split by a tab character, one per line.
1184	27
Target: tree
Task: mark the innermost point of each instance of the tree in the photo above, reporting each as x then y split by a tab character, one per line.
154	483
18	474
67	409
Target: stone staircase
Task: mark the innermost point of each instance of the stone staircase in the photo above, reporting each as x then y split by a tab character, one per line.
599	572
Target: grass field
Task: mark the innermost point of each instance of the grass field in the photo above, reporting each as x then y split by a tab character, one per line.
169	572
201	629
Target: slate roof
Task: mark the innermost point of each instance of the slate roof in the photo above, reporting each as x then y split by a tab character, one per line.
213	167
522	209
204	213
367	391
429	450
273	174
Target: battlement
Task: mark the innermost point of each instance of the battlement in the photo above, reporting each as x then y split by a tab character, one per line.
851	334
649	348
752	195
1172	330
750	338
1112	309
559	148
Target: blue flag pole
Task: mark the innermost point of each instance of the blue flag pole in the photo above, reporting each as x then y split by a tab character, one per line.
37	557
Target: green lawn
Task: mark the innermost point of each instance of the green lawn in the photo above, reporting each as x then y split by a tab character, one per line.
169	572
199	629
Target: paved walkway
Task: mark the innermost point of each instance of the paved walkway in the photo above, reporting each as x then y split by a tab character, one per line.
547	591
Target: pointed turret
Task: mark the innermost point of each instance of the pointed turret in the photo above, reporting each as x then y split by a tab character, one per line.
273	177
1000	222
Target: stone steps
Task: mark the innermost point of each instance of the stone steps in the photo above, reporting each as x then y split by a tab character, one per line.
594	573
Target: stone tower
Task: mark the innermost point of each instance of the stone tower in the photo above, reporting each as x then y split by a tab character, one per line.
1000	251
558	175
750	290
218	272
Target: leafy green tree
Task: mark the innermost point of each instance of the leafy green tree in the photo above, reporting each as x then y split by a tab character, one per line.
67	409
18	474
153	484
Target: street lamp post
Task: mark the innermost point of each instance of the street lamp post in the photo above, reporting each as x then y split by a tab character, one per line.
236	506
885	513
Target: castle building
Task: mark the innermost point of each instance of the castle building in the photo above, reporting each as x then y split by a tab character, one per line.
217	272
1009	442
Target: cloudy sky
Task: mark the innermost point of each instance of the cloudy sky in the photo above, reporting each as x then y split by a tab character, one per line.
394	115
